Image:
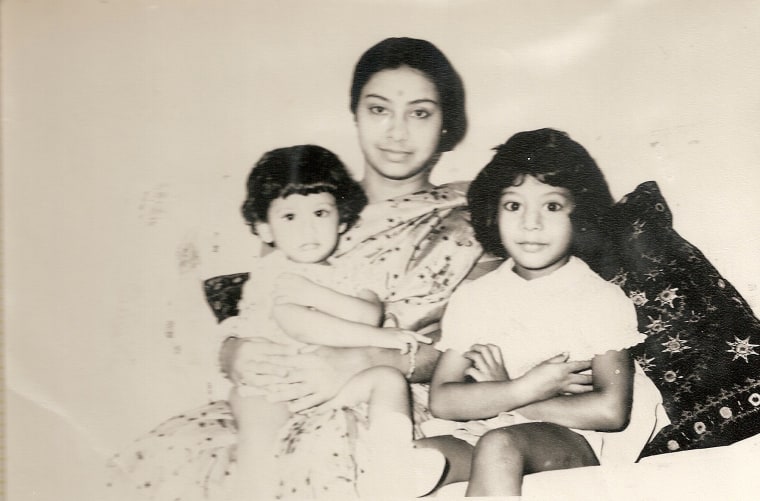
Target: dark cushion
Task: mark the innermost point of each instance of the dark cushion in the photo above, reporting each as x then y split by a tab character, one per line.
702	337
223	294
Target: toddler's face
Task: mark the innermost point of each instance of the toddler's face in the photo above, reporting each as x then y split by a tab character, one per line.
305	227
535	226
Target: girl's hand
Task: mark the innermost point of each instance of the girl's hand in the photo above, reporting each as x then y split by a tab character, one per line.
294	289
487	363
557	376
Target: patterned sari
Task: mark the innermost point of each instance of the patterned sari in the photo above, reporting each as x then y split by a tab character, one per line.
416	249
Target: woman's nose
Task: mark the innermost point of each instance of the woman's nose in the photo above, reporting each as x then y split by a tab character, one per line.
397	128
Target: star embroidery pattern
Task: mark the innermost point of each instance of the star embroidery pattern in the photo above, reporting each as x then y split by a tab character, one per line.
742	348
668	296
645	363
657	325
639	298
675	345
638	228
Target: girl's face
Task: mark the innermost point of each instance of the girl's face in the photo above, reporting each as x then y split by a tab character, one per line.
535	227
399	118
305	227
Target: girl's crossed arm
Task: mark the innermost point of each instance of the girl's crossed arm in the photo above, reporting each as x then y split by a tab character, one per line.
535	394
606	408
453	397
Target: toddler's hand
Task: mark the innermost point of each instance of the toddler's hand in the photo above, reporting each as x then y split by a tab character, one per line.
487	363
404	340
293	288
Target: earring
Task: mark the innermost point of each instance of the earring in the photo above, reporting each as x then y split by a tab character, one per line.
443	132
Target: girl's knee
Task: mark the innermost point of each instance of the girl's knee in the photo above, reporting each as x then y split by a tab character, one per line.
499	443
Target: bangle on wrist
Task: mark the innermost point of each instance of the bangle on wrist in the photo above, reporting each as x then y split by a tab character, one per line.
412	363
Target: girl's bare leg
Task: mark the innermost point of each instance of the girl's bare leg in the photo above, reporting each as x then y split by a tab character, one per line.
458	454
504	456
258	423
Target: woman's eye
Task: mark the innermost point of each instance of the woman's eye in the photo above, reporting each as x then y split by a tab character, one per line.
554	206
378	110
321	213
288	217
511	206
420	113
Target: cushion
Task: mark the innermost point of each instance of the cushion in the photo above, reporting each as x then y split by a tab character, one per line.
223	294
702	337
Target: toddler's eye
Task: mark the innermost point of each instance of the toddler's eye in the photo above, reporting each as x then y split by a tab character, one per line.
511	206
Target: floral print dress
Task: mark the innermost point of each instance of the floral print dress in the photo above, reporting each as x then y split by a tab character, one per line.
425	247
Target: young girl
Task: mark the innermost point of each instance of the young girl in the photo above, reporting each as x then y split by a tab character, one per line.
300	199
539	202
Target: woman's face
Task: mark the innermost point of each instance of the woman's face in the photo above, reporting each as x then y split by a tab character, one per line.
399	118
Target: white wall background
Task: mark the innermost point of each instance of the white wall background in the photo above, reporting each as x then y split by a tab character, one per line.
129	128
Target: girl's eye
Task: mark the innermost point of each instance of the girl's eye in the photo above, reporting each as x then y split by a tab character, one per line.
420	113
321	212
554	206
511	206
288	217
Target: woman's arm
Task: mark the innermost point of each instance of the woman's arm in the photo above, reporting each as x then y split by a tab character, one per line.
296	289
317	327
606	408
310	378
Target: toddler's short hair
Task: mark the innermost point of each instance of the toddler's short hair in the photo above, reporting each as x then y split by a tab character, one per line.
302	170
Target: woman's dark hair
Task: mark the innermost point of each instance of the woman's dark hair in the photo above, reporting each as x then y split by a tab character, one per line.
302	170
423	56
553	158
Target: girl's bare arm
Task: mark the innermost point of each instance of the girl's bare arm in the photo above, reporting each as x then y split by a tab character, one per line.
606	408
452	397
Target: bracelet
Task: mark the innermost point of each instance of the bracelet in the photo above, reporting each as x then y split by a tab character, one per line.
412	363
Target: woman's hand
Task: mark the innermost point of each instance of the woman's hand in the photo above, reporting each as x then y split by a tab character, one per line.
487	363
557	376
314	376
256	362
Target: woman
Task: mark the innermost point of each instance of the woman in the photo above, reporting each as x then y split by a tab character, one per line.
408	106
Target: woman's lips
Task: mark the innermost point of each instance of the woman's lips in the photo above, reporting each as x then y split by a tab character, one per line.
395	155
